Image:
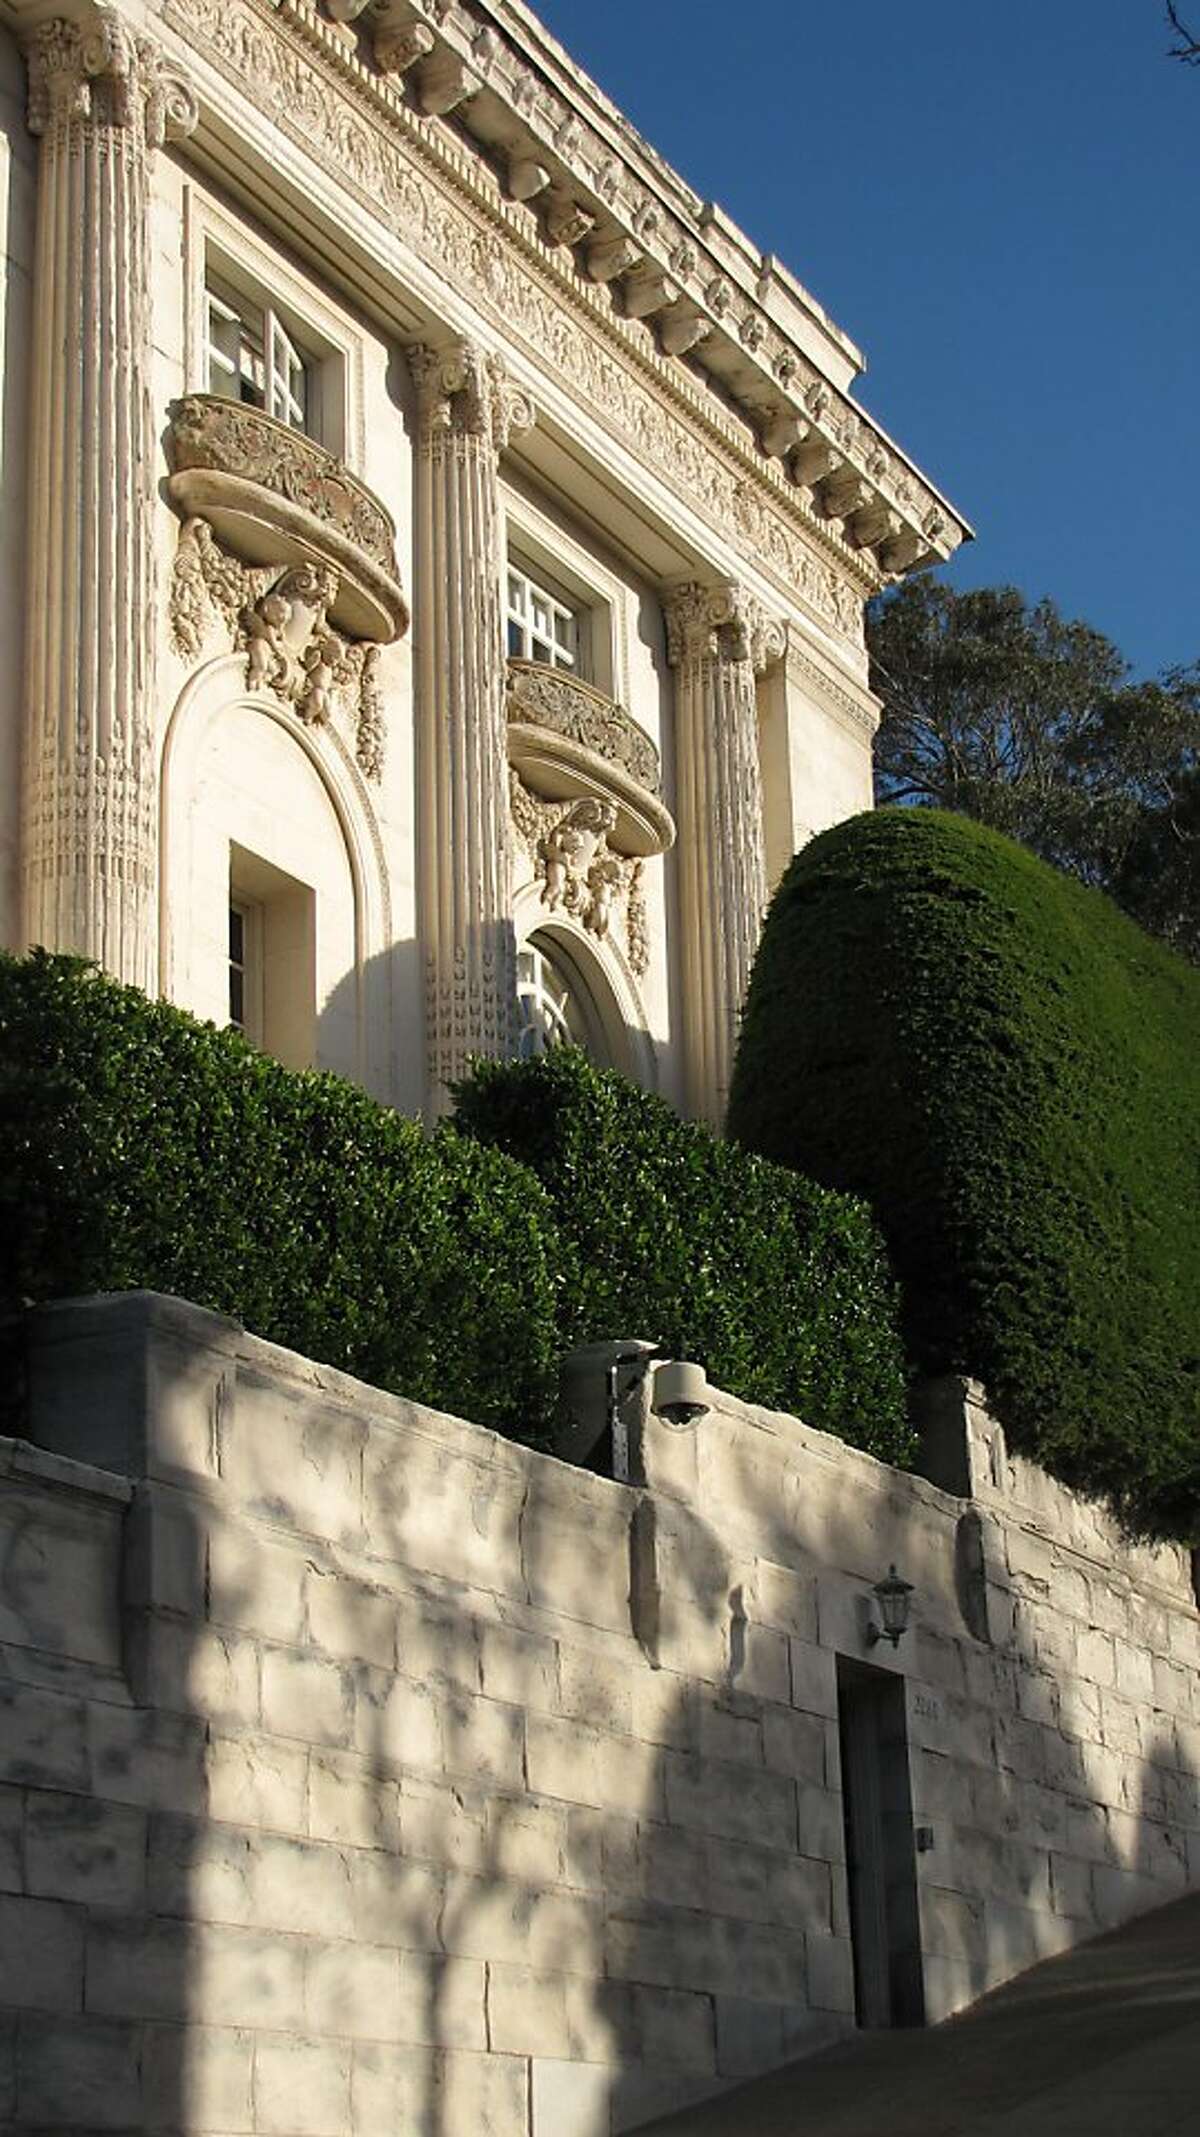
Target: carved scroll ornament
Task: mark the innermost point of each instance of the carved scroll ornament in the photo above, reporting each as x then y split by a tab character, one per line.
465	390
721	622
97	68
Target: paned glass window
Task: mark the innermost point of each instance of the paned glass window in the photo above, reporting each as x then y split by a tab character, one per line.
554	1006
540	625
272	958
250	356
245	976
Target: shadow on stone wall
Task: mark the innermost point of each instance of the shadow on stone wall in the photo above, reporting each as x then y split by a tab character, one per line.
434	1853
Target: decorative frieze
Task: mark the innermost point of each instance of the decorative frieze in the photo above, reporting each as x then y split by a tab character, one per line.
101	100
467	408
423	188
718	638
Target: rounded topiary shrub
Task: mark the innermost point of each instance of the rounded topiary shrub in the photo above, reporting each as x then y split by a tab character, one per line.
780	1288
1009	1071
140	1148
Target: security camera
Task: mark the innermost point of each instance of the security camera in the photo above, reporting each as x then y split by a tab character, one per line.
680	1394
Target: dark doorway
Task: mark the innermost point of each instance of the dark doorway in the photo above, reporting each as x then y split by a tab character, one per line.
880	1850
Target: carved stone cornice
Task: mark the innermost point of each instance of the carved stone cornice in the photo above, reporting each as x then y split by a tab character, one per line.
426	189
762	337
464	390
276	496
95	67
721	622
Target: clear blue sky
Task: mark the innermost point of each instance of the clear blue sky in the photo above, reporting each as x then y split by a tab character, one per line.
1001	205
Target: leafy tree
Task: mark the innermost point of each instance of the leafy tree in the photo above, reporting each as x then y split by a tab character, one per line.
1032	724
1007	1070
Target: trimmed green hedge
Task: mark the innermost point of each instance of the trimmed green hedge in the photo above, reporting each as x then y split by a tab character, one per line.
1009	1071
141	1148
777	1286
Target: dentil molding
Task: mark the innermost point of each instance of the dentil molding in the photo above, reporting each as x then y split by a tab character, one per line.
536	123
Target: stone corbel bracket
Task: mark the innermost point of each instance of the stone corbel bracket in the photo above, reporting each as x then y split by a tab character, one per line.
678	265
279	622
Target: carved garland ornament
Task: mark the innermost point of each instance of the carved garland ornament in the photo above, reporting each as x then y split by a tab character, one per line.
577	869
279	622
345	125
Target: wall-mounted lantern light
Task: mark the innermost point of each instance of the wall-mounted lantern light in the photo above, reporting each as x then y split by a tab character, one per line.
679	1390
894	1597
679	1394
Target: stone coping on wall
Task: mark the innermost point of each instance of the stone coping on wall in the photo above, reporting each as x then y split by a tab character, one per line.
144	1358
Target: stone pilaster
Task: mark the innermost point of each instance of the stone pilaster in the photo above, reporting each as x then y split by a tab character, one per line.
102	101
718	637
467	408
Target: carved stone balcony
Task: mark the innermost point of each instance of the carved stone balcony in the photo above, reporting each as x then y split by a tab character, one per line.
567	740
274	496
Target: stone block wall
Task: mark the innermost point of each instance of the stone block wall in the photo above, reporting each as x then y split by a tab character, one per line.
364	1772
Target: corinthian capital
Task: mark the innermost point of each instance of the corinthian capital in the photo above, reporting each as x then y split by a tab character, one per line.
95	66
722	621
465	391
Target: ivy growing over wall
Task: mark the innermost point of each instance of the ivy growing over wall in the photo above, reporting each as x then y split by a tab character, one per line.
1009	1070
777	1286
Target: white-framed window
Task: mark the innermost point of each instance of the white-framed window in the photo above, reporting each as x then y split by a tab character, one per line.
555	1006
250	356
272	959
245	968
543	625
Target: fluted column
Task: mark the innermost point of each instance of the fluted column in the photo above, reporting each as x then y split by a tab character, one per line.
101	100
718	637
467	408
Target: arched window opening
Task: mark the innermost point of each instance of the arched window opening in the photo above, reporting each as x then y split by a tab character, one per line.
555	1005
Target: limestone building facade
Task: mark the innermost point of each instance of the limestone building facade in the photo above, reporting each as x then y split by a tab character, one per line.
436	541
